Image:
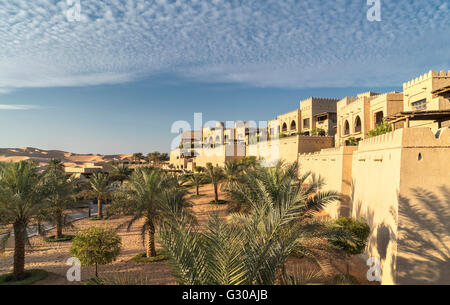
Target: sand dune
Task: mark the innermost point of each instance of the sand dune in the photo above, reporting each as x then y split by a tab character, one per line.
44	156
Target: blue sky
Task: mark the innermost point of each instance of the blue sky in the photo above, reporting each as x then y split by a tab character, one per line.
116	80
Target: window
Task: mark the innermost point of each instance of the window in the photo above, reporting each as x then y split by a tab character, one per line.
379	118
322	119
358	124
284	127
346	128
306	123
419	105
293	125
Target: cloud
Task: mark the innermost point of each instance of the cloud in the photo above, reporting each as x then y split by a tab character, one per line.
17	107
261	43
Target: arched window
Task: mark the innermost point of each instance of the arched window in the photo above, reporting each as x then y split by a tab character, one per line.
358	124
284	127
226	139
293	125
346	128
210	140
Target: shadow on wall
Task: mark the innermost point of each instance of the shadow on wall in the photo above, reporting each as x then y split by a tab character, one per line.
424	238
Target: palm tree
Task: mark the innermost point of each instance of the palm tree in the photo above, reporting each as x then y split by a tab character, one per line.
146	189
55	164
215	175
232	172
196	179
155	157
20	201
60	194
100	188
138	157
120	172
252	247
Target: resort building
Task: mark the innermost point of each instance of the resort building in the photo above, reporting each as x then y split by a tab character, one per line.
357	115
398	181
318	114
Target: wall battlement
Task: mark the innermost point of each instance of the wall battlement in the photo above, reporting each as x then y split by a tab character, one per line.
426	76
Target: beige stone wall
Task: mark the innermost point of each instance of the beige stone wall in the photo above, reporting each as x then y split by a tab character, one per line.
313	106
334	165
400	183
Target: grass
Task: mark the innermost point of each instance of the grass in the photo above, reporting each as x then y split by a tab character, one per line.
53	239
31	276
218	202
95	218
142	259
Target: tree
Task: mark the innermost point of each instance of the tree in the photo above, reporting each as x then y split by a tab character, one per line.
100	188
196	179
146	189
137	157
251	248
250	162
154	157
55	164
120	172
20	201
59	190
96	246
232	173
216	176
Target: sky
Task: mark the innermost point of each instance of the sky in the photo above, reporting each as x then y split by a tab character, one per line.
116	78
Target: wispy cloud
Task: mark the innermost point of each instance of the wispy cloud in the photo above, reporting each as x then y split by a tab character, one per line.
17	107
263	43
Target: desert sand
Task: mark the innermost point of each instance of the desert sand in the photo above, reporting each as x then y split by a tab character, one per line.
44	156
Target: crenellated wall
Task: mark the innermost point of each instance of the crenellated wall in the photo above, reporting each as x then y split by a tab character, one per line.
400	183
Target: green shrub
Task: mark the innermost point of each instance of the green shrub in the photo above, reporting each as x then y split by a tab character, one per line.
379	130
358	229
94	218
31	276
218	202
143	259
53	239
352	141
96	246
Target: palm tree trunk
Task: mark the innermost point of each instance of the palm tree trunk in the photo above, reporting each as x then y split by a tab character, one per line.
216	194
59	226
19	250
99	208
196	188
96	269
151	250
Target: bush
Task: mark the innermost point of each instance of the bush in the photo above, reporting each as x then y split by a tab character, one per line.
96	246
218	202
379	130
53	239
94	218
31	276
142	258
358	229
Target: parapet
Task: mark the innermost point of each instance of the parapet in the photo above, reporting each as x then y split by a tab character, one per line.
426	76
407	137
